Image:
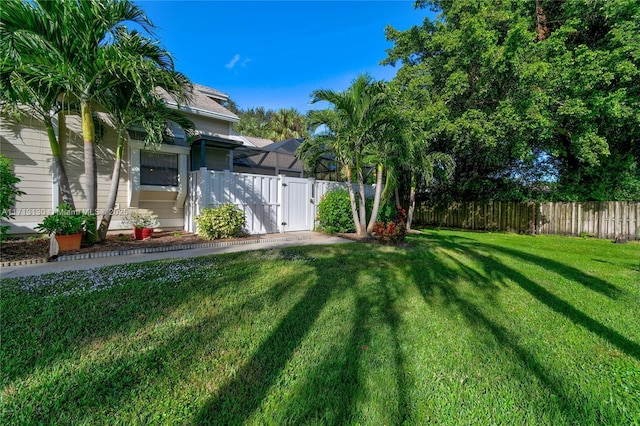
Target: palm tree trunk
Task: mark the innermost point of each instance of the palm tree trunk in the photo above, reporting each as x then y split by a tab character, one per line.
412	201
113	191
376	200
63	180
352	200
90	169
362	207
388	187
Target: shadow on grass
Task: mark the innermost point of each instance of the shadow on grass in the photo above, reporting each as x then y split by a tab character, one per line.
569	272
52	329
331	389
114	380
432	287
244	394
493	266
435	285
337	376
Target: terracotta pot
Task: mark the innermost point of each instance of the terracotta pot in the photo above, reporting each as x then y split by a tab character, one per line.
69	242
142	233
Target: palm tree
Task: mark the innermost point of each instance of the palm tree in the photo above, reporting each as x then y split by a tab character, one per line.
82	36
21	62
254	122
44	104
143	107
416	158
354	131
287	123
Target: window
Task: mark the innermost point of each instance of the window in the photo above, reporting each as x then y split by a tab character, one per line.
158	169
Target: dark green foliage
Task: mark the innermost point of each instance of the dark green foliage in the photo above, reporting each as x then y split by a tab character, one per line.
334	212
226	221
254	122
534	100
8	192
387	213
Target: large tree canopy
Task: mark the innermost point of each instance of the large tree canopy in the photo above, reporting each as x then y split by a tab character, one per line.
529	96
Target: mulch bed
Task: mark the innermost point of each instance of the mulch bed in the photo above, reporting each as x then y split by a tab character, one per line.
357	238
38	248
373	240
27	249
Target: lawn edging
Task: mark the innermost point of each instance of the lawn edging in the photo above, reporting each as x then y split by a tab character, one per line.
96	255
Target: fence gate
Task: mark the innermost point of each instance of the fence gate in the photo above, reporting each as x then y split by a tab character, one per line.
270	203
297	205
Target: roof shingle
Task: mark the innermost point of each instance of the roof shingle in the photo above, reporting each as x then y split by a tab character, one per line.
203	98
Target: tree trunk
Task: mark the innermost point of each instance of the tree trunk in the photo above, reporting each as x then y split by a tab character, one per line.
389	186
63	180
90	169
542	27
352	199
362	207
113	191
412	202
376	200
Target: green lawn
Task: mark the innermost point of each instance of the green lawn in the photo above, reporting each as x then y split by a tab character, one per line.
459	328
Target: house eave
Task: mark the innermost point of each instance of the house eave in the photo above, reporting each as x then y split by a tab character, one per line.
216	142
204	112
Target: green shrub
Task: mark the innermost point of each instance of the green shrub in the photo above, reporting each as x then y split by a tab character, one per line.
334	212
8	192
226	221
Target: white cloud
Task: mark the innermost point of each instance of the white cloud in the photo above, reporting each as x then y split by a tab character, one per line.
232	63
237	60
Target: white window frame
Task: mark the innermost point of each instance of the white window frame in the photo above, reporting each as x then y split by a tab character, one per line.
134	173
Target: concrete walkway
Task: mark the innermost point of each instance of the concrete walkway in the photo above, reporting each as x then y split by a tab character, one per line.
305	238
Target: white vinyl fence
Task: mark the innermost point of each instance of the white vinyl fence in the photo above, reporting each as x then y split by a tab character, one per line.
271	204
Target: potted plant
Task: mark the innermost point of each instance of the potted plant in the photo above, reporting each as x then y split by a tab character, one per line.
142	224
66	225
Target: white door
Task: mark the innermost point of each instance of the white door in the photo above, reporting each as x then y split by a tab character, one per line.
297	207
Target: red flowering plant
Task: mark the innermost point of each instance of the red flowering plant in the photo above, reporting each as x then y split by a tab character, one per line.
392	232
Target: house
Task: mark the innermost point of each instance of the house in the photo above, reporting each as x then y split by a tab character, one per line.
173	181
152	180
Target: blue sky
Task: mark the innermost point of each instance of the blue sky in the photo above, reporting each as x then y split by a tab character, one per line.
275	53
